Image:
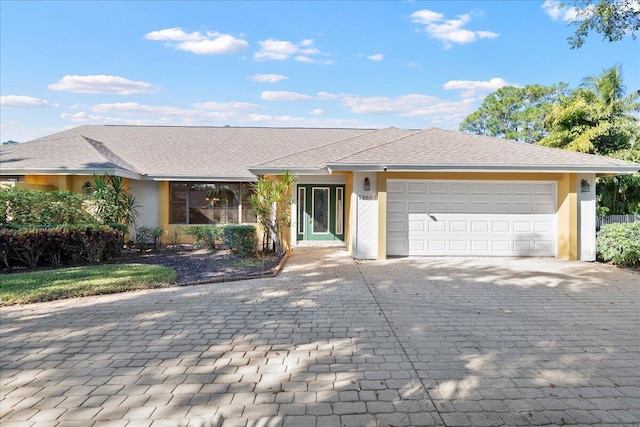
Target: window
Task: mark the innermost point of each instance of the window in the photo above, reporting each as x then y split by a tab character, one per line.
302	201
339	210
210	203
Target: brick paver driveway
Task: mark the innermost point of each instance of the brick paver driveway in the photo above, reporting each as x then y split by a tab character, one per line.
429	341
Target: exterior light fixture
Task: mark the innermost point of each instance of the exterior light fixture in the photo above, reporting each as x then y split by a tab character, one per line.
585	187
367	184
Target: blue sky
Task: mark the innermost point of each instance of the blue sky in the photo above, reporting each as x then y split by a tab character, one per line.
314	64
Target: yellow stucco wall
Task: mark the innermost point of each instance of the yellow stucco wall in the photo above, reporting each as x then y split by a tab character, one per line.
567	207
55	182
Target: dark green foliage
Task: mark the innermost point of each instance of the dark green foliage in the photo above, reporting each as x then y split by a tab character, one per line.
112	201
71	244
619	244
266	194
242	239
31	207
613	19
514	113
148	237
206	235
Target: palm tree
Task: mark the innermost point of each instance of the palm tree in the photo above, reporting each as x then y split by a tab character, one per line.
610	89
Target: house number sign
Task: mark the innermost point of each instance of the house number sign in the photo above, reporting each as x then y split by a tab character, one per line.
367	196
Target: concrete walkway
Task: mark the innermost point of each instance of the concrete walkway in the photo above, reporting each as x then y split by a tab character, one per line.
332	342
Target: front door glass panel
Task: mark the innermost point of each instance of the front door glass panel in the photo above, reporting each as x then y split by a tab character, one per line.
320	210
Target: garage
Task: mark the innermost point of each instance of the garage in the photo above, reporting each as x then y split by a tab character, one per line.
486	218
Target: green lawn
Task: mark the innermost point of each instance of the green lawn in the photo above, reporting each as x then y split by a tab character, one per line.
48	285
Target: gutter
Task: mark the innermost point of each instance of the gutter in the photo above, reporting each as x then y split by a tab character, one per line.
600	170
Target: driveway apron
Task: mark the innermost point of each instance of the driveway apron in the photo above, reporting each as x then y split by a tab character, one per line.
530	341
308	348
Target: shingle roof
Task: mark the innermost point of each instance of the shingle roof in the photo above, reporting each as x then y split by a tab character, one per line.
438	149
159	151
230	153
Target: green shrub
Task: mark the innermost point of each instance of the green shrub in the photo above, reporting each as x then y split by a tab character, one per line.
148	237
242	239
25	246
36	208
619	244
205	234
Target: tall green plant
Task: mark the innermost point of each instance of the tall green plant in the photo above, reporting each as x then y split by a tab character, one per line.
271	202
113	202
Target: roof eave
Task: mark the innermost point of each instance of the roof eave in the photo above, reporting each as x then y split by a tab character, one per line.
599	170
296	171
249	178
64	171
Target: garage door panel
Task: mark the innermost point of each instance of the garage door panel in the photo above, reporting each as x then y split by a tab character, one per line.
395	186
544	208
417	187
395	206
416	207
471	218
459	246
458	226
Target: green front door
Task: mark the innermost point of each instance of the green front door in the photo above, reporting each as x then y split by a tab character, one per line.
320	212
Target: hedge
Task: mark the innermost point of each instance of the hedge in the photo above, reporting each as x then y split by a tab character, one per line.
56	245
36	208
242	239
619	244
205	234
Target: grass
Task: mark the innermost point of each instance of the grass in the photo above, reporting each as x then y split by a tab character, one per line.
48	285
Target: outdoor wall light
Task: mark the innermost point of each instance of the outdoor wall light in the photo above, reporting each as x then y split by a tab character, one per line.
367	184
585	187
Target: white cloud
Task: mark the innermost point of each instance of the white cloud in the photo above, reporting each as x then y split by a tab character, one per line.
376	57
317	111
226	106
209	43
556	11
173	34
136	108
326	96
21	101
283	95
449	30
412	105
101	84
268	78
471	87
279	50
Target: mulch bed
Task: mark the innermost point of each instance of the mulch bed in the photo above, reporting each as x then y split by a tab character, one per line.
193	265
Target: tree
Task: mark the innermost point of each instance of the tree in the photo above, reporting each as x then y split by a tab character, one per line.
271	202
594	118
11	141
611	18
514	113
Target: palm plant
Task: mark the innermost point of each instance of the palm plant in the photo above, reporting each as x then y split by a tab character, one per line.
271	201
113	202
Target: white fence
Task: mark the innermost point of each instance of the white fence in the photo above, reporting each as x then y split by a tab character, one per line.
615	219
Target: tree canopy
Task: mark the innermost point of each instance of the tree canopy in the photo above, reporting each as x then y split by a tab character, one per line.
595	117
611	18
515	113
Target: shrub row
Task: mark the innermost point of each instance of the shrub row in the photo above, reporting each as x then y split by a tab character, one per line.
56	245
619	244
36	208
241	239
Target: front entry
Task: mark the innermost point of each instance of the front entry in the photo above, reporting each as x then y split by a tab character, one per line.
320	212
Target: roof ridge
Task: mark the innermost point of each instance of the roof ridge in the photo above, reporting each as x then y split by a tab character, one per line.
385	143
369	131
109	155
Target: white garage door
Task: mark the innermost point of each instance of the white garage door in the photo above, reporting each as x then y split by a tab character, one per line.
494	218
